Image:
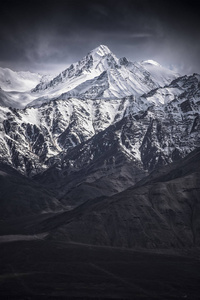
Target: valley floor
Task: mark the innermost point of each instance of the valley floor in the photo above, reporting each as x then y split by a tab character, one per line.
42	269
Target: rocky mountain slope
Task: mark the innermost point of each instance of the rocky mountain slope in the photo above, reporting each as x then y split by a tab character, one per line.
124	152
161	211
21	196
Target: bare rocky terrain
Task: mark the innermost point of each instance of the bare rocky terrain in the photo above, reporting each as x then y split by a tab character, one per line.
161	211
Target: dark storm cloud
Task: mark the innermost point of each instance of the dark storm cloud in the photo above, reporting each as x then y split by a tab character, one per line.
45	35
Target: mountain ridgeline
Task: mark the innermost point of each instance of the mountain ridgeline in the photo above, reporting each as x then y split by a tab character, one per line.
84	138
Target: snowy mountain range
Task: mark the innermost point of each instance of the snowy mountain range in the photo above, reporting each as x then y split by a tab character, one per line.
100	74
98	127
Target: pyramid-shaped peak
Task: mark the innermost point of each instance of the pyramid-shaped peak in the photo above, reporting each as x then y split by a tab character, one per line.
101	50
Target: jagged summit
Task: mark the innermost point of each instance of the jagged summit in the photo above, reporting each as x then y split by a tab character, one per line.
101	50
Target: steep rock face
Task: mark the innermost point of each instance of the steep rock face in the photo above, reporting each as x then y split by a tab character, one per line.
160	212
174	126
103	165
31	136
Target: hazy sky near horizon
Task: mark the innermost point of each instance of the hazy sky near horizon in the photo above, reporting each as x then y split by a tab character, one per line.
46	36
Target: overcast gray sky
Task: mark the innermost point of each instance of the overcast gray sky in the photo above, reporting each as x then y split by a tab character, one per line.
46	36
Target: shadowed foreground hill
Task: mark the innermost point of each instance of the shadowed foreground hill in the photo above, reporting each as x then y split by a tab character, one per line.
21	196
162	211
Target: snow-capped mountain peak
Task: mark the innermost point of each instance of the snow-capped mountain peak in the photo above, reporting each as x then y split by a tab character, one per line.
101	75
98	75
101	50
99	60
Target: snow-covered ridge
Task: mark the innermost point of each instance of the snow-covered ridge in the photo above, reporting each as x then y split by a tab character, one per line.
102	50
99	75
181	89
